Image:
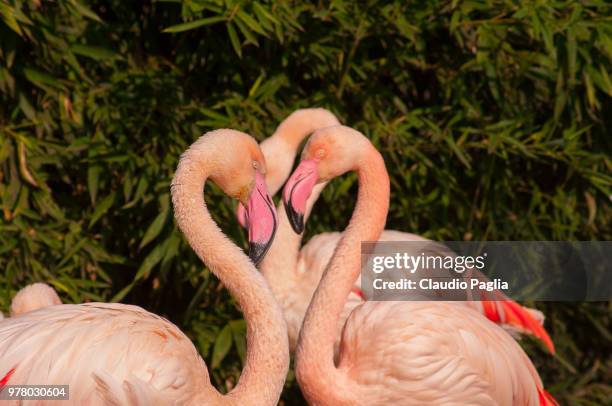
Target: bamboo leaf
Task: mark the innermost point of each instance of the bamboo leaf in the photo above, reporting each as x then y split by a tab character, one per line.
154	229
85	11
97	53
231	31
223	343
40	78
23	165
250	38
571	55
93	181
194	24
255	86
250	22
259	9
101	208
154	257
122	293
8	16
239	333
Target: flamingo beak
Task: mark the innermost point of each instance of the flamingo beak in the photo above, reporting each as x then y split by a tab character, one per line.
241	215
297	191
260	219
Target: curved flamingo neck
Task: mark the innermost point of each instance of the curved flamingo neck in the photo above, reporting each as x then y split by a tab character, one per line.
301	123
320	379
280	263
267	356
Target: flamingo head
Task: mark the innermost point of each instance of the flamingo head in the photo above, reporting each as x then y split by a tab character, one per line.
330	152
280	148
243	178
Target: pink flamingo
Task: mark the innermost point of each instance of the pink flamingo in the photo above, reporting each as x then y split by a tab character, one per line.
34	297
410	353
294	274
111	353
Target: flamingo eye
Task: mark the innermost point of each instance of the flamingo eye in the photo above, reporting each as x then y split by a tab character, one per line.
255	165
320	153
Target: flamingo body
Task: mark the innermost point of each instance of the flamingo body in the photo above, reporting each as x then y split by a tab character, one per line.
408	353
417	353
312	260
107	353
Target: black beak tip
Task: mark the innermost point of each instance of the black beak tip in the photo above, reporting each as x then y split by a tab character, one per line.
257	251
296	219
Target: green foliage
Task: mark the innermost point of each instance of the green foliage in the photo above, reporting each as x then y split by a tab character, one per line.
493	118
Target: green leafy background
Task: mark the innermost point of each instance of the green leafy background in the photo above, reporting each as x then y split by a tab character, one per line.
493	117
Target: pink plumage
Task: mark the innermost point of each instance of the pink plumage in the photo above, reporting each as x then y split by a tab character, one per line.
294	273
117	354
409	353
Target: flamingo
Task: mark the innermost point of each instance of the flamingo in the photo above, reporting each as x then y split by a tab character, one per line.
294	274
34	297
119	354
409	353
